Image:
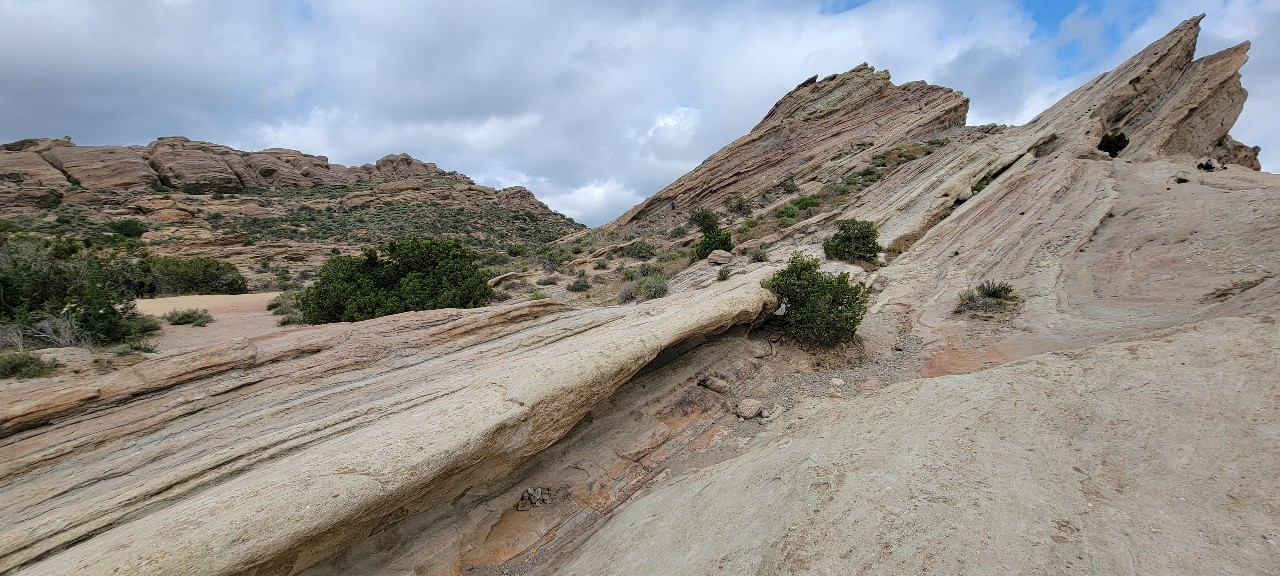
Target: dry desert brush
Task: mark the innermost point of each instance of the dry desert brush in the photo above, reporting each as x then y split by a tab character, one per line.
988	296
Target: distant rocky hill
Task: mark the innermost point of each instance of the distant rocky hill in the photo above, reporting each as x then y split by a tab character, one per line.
1118	417
275	205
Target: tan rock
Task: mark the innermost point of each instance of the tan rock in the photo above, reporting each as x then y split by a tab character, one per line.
749	408
104	167
719	257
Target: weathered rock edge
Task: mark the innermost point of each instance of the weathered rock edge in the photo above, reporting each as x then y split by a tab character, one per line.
491	388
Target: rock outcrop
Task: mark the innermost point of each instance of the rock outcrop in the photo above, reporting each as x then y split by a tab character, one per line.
108	168
313	438
1118	417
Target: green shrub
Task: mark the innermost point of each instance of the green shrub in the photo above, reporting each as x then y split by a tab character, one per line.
759	254
500	296
651	287
128	227
24	365
787	211
997	290
739	205
821	308
805	202
91	291
723	273
601	264
178	275
192	316
786	222
854	240
401	276
537	295
713	238
629	274
547	281
640	250
1112	144
579	284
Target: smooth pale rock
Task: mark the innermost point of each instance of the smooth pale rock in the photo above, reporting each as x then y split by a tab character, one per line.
749	408
719	257
998	461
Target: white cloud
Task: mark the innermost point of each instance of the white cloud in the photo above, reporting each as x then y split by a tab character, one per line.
592	105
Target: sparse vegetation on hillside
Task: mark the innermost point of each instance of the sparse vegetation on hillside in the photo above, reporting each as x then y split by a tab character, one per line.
821	308
401	276
854	240
713	237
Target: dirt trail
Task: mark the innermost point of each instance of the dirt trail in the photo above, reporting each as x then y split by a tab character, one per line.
233	316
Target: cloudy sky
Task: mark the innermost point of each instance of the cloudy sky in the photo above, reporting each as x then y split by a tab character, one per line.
593	105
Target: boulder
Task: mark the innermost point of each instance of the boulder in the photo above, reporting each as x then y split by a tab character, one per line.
719	257
749	408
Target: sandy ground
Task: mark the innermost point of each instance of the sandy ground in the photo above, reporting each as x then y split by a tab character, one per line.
233	316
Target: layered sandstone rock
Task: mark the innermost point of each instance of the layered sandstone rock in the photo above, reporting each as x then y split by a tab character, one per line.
114	168
312	438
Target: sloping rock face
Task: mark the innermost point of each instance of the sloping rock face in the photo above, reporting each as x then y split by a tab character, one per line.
1100	460
817	132
28	184
313	438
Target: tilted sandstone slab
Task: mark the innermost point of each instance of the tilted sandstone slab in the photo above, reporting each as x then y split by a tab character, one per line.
1150	456
104	167
266	455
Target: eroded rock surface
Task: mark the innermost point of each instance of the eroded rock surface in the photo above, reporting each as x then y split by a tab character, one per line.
311	438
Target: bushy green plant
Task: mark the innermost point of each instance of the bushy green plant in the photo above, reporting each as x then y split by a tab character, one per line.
547	281
805	202
601	264
640	250
23	365
178	275
128	227
401	276
651	287
537	295
713	238
723	273
91	290
787	211
759	254
854	240
192	316
821	308
579	284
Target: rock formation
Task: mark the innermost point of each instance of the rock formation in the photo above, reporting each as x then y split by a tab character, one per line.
1120	417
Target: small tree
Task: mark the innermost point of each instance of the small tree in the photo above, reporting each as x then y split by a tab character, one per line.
855	240
713	238
821	308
